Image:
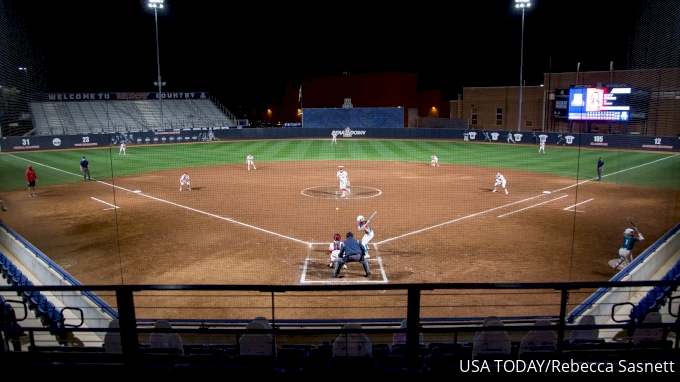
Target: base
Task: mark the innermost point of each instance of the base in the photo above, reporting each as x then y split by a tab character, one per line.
613	262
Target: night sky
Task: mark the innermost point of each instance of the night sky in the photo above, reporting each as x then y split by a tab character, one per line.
245	53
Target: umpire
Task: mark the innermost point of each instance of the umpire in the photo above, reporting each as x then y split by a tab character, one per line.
350	252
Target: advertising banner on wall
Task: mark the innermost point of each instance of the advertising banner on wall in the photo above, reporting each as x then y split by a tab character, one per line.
504	137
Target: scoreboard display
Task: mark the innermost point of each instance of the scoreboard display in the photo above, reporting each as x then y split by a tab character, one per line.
610	103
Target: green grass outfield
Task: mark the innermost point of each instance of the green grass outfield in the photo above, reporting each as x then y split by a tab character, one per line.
661	170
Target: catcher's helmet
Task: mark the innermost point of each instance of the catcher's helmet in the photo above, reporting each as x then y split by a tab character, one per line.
360	218
336	237
628	231
349	234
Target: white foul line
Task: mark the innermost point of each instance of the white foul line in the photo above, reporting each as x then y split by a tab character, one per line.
570	207
101	201
179	205
535	205
457	220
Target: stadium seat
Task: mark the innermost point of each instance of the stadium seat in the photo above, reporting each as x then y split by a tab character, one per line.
668	290
657	295
256	343
8	271
28	294
492	343
586	334
35	301
539	340
44	310
649	334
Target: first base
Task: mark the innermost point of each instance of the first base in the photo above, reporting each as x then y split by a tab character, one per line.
613	262
137	191
546	192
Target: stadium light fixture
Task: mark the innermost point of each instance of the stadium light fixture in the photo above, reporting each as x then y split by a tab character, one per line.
156	4
521	5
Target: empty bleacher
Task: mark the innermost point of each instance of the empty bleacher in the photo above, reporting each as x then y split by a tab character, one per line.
91	116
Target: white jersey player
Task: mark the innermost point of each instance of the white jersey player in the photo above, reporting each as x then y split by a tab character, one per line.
541	147
122	148
368	233
250	162
434	161
184	180
344	181
500	181
334	134
334	250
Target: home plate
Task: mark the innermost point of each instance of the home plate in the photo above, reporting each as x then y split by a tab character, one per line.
613	262
546	192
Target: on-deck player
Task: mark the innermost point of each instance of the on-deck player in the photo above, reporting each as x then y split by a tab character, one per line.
344	181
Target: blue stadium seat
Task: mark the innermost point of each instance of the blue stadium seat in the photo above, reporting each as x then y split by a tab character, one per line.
27	295
19	279
668	290
657	294
44	310
8	270
35	301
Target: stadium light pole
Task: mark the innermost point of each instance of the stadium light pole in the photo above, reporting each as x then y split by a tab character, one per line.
522	5
155	4
25	70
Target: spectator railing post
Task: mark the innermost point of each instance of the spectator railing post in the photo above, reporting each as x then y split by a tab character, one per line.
413	328
563	322
128	324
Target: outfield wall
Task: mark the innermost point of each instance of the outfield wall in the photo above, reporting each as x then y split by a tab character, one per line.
615	141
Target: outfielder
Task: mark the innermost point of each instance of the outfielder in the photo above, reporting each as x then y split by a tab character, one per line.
500	181
368	232
122	148
334	134
250	162
541	146
434	161
344	181
625	252
334	249
184	179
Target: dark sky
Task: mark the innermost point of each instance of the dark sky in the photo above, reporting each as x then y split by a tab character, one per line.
244	53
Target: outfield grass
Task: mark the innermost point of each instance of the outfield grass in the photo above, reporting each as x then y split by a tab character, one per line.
573	162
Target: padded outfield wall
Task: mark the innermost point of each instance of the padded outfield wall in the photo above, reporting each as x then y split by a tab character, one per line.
614	141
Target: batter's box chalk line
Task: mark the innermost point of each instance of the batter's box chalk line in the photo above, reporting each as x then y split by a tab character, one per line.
378	276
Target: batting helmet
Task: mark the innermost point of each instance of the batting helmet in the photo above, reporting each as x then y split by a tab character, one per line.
628	231
349	234
360	218
336	237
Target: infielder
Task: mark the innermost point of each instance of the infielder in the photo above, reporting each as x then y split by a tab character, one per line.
250	162
344	181
434	161
368	233
500	181
334	249
184	179
334	134
122	148
625	252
